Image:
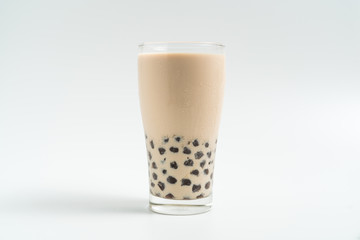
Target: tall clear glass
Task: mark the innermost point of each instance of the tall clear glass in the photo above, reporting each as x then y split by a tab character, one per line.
181	89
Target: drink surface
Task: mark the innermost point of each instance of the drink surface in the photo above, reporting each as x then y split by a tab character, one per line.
181	97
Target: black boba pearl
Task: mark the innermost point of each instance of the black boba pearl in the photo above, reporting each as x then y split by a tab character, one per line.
186	151
161	186
208	154
152	184
196	188
161	150
206	171
207	185
185	182
195	143
207	144
169	196
154	165
200	196
149	155
174	149
152	144
178	139
154	175
166	140
164	171
202	164
189	163
198	154
174	165
195	172
171	180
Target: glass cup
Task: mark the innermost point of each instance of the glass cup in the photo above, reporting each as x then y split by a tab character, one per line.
181	89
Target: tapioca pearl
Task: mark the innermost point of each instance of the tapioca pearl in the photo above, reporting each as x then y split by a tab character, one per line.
196	143
195	172
149	155
174	149
200	196
189	163
166	140
208	154
152	184
161	185
178	139
186	150
164	171
162	150
206	171
207	185
196	188
198	154
154	165
189	142
152	144
185	182
174	165
202	164
211	175
169	196
207	144
154	175
171	180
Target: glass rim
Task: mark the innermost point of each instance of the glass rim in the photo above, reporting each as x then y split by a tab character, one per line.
194	43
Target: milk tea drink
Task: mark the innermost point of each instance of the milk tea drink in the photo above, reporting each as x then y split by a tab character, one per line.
181	97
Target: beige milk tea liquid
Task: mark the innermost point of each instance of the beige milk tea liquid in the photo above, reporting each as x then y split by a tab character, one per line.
181	98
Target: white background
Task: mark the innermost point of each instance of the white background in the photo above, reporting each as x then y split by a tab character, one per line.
72	150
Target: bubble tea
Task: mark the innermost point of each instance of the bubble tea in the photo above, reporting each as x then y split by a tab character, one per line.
181	88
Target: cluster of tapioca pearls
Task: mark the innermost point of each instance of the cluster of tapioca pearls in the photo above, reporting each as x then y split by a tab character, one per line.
201	166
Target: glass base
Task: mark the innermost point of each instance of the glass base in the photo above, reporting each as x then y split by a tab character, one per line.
180	207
